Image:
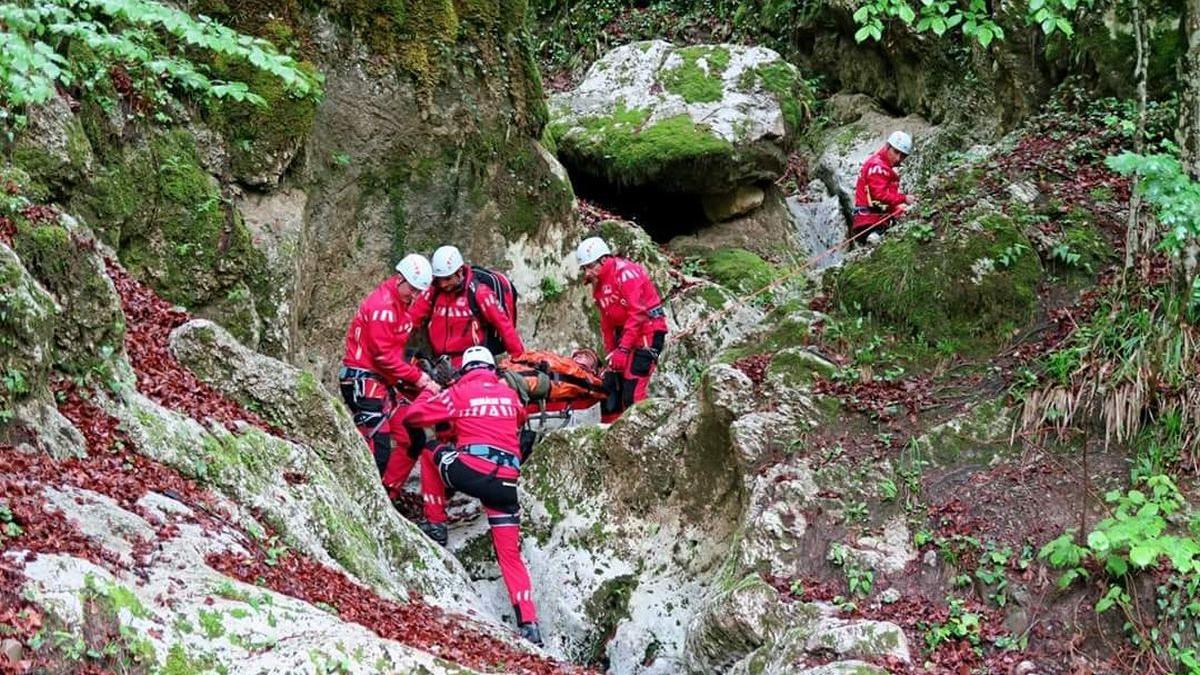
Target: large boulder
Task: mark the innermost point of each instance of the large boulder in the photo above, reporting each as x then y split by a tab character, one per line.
705	119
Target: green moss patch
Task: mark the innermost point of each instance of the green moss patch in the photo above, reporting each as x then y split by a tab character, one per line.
632	151
972	285
172	227
698	78
93	325
607	608
738	269
258	135
793	94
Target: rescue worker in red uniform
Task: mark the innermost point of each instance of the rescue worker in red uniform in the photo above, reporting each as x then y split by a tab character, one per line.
374	366
878	201
453	325
484	462
632	321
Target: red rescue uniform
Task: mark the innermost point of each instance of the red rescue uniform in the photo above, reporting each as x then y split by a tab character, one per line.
484	462
631	320
877	196
454	327
373	362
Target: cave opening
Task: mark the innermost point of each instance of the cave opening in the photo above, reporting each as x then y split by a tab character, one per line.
663	215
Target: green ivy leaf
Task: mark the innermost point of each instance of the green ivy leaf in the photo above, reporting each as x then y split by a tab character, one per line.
1143	555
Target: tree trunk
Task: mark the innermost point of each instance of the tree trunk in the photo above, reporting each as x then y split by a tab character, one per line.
1188	131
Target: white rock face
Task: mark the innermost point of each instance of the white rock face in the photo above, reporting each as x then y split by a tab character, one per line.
720	89
820	224
189	613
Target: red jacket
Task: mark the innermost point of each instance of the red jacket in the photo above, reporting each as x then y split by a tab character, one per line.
483	409
378	334
878	189
629	302
453	327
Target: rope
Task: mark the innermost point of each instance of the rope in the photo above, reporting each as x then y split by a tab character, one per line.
730	307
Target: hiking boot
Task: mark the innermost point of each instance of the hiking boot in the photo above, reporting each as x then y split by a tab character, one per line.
529	631
436	532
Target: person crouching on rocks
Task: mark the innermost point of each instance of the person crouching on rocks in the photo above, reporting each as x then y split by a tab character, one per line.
878	201
484	462
374	363
633	324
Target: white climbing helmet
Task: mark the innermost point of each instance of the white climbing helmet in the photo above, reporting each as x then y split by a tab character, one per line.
446	261
590	250
476	356
901	141
415	270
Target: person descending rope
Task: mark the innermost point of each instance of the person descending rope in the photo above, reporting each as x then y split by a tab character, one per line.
463	311
633	324
374	364
878	201
484	462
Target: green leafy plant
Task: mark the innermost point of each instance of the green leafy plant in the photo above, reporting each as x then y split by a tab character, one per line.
1011	254
552	289
959	625
1135	537
9	527
153	42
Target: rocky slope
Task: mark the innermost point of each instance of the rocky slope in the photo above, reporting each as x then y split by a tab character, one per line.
827	480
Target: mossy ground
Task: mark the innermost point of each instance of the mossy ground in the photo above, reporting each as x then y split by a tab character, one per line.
951	287
737	269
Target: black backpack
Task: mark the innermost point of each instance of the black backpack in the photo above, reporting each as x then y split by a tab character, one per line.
506	295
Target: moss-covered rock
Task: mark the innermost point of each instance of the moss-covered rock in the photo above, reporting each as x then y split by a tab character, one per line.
737	620
696	120
262	140
53	148
63	257
969	286
739	270
27	322
172	227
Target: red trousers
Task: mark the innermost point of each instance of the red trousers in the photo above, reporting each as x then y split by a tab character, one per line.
495	486
373	409
633	389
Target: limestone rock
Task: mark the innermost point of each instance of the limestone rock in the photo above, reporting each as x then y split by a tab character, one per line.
89	337
729	389
888	553
53	148
820	224
775	525
700	119
323	499
11	651
275	221
173	592
735	622
855	639
726	205
37	426
768	230
286	396
28	323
